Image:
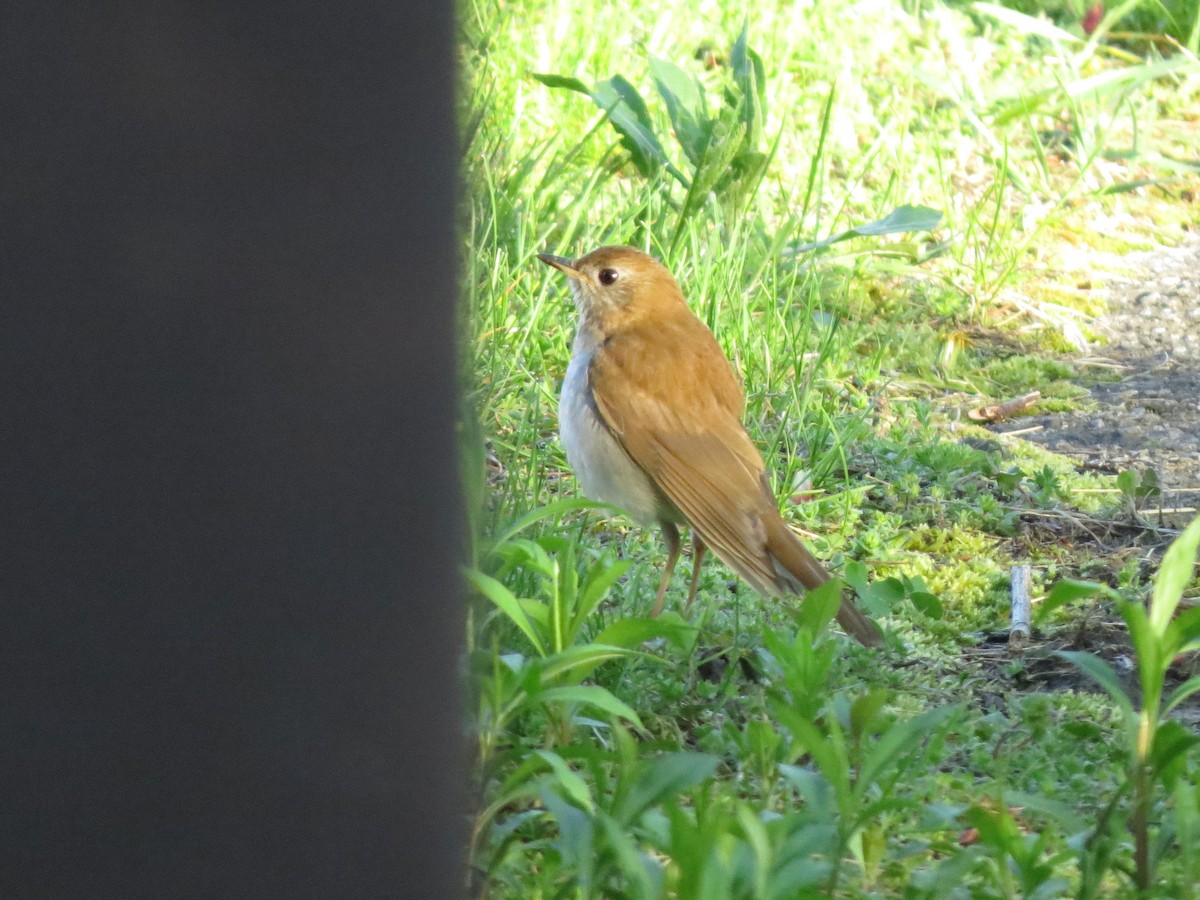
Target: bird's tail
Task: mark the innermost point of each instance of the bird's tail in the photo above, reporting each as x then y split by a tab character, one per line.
798	566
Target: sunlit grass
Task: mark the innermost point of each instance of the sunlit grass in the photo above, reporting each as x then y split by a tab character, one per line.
860	361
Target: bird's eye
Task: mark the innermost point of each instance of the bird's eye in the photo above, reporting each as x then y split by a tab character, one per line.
608	276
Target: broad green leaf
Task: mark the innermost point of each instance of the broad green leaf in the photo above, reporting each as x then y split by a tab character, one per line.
801	876
1151	651
642	875
528	554
1066	816
819	606
1066	590
749	74
573	786
1010	480
1127	483
523	778
1186	627
677	86
854	574
691	848
628	114
902	219
582	659
601	578
561	81
1181	693
898	740
661	777
502	829
996	829
927	604
537	611
506	601
1171	741
531	678
685	107
827	750
591	695
1149	488
864	710
760	845
1177	567
576	837
884	595
939	816
630	633
872	844
814	788
550	510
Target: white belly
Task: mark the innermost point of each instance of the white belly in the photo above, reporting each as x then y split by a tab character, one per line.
602	466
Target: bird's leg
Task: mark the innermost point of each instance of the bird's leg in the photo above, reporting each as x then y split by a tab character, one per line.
671	535
698	548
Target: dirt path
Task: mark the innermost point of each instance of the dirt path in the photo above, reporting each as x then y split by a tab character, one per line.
1150	418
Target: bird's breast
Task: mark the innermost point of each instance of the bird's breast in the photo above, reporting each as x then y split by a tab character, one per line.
603	468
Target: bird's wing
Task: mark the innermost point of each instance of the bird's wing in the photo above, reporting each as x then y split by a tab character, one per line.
668	395
678	414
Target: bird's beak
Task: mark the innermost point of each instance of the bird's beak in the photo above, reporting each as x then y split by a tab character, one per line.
564	265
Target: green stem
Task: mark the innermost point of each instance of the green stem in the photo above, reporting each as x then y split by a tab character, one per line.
1139	824
1139	821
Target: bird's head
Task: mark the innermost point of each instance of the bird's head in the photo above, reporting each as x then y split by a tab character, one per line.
616	281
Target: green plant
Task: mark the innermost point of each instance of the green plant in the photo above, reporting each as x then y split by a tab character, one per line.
553	622
1137	489
884	595
902	220
858	358
510	684
724	151
1025	865
842	754
601	837
1157	747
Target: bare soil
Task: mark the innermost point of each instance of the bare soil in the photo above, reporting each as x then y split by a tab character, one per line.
1150	417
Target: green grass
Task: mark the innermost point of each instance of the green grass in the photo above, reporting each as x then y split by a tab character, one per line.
743	751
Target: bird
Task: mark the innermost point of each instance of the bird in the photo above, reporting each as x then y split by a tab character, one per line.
650	416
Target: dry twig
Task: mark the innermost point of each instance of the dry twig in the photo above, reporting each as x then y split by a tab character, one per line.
1000	411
